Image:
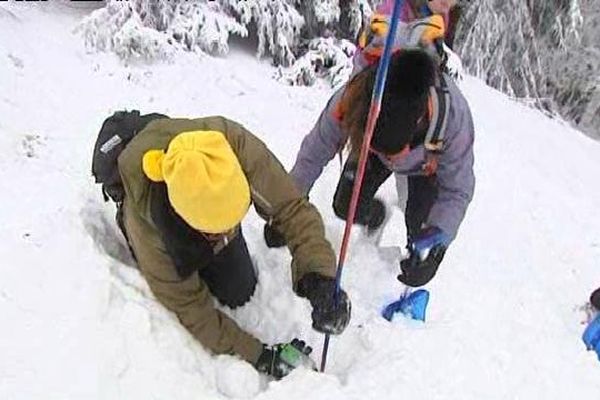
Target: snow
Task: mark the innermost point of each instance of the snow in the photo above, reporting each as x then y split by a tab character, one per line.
79	322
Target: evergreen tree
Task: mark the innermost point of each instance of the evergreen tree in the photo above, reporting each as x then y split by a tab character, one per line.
285	29
545	52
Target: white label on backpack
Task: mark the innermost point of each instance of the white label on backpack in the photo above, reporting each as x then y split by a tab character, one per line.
110	144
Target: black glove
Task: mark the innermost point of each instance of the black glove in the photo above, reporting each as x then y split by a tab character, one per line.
327	317
273	237
280	359
418	269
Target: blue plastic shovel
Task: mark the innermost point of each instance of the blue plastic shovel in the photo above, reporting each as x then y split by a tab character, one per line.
411	304
591	336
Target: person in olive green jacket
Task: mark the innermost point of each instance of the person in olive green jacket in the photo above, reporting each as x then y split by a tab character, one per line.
188	183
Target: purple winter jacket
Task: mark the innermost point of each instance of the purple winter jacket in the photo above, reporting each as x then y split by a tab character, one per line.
455	178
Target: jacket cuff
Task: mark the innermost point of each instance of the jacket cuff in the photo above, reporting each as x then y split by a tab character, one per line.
250	350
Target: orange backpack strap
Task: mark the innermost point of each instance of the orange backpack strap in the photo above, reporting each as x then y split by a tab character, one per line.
439	108
431	164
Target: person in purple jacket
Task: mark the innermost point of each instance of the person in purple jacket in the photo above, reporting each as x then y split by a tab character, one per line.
424	135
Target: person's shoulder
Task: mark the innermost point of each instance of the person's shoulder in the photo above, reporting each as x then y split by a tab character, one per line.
458	101
453	87
460	120
167	128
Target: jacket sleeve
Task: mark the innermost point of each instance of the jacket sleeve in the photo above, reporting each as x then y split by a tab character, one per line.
455	177
277	200
318	147
188	298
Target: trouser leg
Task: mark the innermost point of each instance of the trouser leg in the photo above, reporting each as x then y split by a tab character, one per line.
231	276
402	191
121	225
422	193
375	174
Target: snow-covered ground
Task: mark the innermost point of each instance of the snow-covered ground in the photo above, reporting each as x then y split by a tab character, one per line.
78	322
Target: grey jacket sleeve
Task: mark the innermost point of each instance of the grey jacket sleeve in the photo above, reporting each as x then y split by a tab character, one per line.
318	147
455	177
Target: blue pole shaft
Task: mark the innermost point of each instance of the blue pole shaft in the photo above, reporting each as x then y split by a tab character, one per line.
362	160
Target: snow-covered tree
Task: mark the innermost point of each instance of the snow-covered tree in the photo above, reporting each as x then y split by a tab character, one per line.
545	51
154	30
331	28
320	16
326	58
573	70
353	14
497	42
278	25
285	30
148	29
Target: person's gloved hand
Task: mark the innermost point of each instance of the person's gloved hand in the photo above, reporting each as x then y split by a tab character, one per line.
327	317
273	238
426	251
280	359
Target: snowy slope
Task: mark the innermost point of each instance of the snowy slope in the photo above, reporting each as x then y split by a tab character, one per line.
78	322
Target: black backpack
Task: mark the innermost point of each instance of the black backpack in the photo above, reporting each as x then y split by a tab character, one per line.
114	135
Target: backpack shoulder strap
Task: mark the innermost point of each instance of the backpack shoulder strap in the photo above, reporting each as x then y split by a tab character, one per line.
439	98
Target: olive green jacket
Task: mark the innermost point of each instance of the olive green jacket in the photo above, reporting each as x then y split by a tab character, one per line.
275	198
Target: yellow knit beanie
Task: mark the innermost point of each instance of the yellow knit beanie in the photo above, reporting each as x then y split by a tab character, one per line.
205	182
